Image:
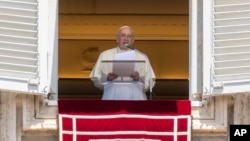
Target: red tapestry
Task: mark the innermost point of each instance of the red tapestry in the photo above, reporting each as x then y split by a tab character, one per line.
107	120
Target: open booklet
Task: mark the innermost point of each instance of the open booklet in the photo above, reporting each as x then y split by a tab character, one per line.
124	64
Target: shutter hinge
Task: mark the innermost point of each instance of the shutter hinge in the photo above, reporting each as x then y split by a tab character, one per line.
218	85
34	82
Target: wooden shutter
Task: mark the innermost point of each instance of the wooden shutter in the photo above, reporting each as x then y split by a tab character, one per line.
23	56
227	70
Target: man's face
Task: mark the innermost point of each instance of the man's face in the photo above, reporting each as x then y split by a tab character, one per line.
125	37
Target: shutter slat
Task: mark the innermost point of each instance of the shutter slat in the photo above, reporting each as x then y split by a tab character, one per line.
232	7
232	70
18	46
230	2
30	1
17	74
232	42
18	4
233	77
16	32
18	60
18	53
232	56
233	14
231	49
233	21
20	39
16	11
232	28
232	35
18	18
234	63
18	67
18	25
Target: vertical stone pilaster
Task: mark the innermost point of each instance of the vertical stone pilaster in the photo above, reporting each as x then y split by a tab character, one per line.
241	109
7	116
19	116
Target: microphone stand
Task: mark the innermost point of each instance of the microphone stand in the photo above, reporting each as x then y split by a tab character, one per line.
150	86
150	77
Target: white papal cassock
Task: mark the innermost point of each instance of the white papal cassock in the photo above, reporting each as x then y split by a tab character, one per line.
123	88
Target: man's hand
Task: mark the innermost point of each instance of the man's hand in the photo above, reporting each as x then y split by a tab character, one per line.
135	76
111	76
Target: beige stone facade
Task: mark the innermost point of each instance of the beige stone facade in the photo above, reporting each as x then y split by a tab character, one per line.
28	117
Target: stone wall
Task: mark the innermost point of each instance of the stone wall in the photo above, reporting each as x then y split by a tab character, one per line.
26	117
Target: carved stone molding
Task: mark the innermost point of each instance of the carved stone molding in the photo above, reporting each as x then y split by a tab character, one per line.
206	112
123	7
146	27
37	116
212	117
88	57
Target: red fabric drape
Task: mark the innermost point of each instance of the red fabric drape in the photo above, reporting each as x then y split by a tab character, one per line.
83	120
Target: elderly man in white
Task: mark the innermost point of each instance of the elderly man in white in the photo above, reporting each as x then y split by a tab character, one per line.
115	88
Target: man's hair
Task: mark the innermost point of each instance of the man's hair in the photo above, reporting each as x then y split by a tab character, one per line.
125	26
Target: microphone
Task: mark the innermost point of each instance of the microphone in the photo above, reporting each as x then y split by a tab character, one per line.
130	47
